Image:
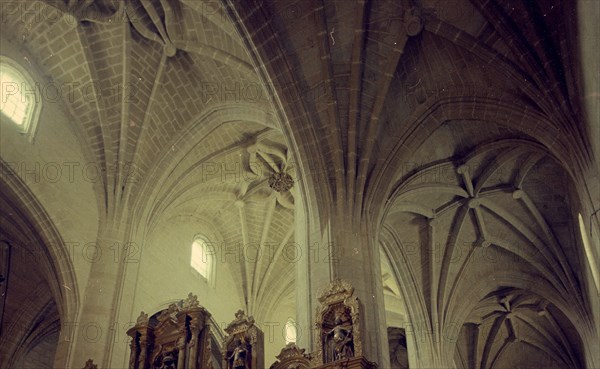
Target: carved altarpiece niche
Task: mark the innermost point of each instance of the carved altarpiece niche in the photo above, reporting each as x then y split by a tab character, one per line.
178	337
243	347
338	329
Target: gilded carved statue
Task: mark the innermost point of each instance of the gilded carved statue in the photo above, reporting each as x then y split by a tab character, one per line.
340	337
168	361
338	327
243	347
239	357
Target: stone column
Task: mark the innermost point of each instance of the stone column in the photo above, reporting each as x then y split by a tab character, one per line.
347	249
312	271
96	326
357	260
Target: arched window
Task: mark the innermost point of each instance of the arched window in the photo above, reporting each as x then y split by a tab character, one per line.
20	99
202	257
290	331
589	252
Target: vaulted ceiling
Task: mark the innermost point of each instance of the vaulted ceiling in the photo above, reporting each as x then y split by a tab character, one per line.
377	78
446	121
392	107
164	99
30	294
512	327
462	230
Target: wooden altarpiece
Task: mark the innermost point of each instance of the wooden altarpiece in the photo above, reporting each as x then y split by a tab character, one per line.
243	347
178	337
292	357
338	331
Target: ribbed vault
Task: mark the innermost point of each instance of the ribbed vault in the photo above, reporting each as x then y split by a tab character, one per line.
375	78
459	229
38	289
145	70
165	102
450	134
228	189
512	327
